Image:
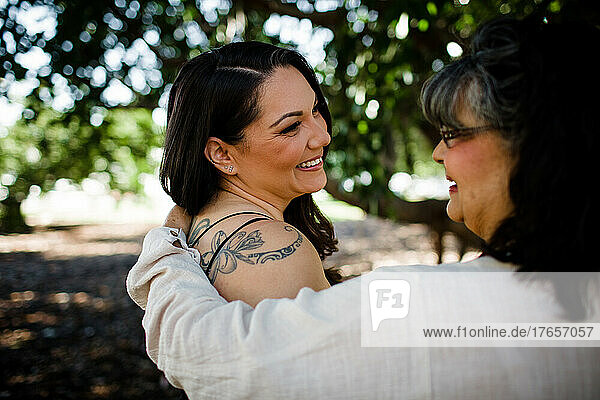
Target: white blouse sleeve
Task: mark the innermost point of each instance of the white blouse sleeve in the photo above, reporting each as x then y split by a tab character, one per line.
212	348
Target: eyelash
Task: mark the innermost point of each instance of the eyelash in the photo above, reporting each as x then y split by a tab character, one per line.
294	127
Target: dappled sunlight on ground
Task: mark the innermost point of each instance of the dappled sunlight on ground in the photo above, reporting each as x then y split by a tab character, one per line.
68	330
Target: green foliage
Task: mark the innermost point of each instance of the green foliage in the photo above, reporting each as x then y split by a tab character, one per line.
381	53
60	145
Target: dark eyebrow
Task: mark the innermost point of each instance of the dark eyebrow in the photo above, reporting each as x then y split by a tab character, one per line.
286	115
292	114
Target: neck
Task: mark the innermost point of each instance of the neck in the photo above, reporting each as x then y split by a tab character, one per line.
274	210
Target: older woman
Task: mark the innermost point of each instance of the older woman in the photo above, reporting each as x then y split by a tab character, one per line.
518	136
247	131
516	132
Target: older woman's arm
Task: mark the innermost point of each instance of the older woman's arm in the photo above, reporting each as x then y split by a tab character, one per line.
216	349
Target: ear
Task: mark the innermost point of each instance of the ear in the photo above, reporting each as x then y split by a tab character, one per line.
219	153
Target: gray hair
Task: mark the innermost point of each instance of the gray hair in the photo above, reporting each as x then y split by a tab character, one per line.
474	82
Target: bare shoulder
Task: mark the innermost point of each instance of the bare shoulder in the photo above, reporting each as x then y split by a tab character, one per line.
261	259
279	240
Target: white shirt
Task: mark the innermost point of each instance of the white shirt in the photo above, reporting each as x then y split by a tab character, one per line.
310	346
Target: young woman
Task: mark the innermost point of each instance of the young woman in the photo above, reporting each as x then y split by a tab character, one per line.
247	133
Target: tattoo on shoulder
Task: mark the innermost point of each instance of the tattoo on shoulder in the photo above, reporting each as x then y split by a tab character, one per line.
196	231
226	254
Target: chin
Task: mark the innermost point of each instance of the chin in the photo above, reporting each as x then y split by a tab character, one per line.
316	185
453	214
322	184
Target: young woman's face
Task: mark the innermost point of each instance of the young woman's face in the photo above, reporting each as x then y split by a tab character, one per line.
281	156
479	167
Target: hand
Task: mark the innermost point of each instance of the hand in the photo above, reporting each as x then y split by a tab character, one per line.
178	219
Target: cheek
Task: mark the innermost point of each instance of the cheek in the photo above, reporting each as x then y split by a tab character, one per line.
281	157
482	174
482	182
464	168
477	165
494	172
292	152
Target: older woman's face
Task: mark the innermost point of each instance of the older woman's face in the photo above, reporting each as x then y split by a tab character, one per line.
479	168
282	154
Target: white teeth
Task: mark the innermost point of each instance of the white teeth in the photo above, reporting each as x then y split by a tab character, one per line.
309	164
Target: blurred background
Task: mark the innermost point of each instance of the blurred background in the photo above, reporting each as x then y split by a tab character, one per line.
83	93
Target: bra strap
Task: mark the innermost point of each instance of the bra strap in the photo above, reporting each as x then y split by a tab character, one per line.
225	217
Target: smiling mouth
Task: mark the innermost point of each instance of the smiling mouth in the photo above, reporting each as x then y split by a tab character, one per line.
310	163
453	187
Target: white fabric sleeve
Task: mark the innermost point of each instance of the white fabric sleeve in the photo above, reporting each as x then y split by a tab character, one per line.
212	348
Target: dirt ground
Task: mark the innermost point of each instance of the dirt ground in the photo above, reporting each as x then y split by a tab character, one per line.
68	330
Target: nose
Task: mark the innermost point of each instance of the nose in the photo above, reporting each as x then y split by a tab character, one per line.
319	137
439	152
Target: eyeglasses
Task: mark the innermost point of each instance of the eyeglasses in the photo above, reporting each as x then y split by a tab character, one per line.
449	135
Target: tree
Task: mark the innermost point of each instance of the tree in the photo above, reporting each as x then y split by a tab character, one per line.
107	58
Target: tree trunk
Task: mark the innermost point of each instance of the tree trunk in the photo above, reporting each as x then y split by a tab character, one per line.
11	219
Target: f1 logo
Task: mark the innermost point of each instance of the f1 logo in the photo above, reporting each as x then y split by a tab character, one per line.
388	299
